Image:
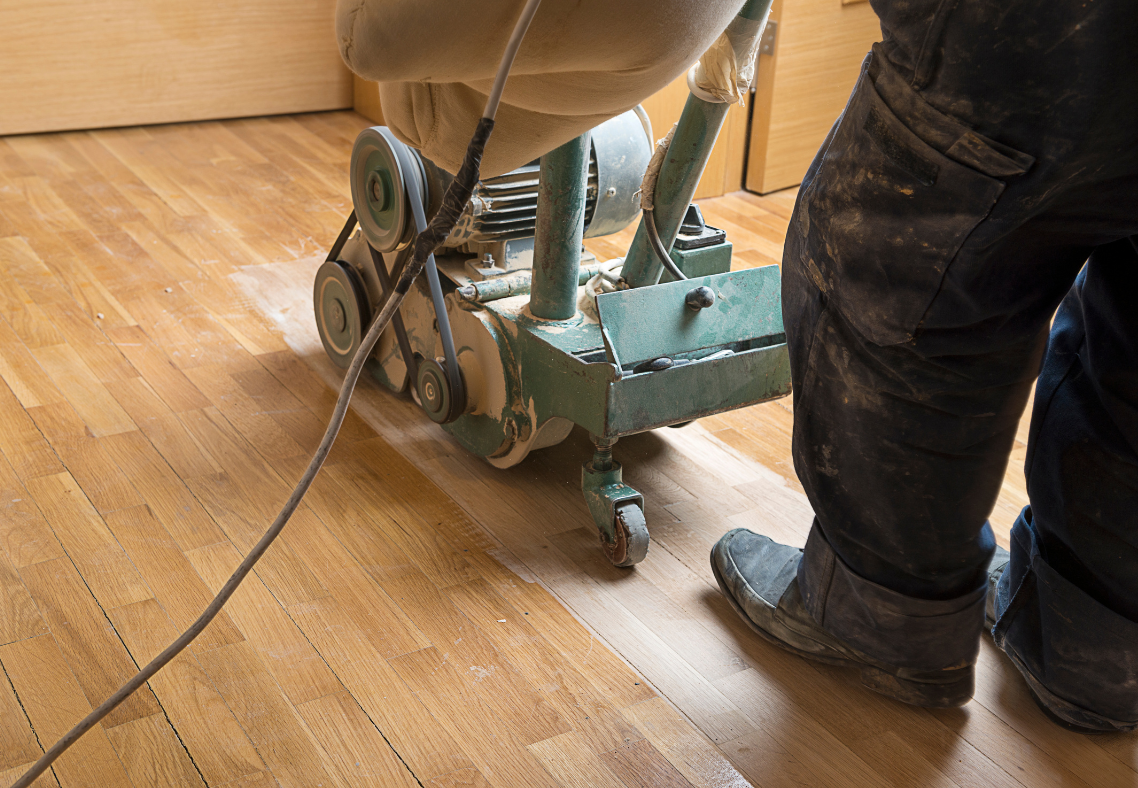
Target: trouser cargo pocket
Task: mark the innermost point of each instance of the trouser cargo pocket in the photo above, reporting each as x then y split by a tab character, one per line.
884	216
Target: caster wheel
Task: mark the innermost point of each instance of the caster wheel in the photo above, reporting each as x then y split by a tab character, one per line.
631	536
342	311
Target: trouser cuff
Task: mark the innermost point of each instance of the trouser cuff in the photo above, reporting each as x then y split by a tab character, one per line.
1080	657
898	630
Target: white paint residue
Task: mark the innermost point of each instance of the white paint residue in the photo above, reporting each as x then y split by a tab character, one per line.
481	672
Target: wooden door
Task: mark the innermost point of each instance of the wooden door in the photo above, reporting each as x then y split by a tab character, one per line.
802	86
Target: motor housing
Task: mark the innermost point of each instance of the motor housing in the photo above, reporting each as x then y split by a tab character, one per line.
500	219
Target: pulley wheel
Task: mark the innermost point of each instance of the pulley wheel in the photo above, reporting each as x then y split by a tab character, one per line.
342	311
436	392
379	189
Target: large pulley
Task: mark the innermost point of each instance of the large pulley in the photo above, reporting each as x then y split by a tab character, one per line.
342	310
380	189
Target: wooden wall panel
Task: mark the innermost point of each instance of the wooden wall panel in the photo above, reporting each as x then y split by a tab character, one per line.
77	64
801	89
365	99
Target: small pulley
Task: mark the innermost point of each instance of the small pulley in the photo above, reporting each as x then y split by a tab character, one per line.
380	192
440	395
342	310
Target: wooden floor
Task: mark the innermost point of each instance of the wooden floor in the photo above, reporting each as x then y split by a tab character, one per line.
426	619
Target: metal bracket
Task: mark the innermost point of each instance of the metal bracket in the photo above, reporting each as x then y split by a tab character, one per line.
604	490
766	43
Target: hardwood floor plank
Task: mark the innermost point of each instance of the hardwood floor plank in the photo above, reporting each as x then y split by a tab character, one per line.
168	382
169	500
18	743
24	447
101	480
493	678
19	617
152	754
379	618
693	755
496	752
267	716
596	724
83	534
88	643
25	536
219	747
54	702
84	391
356	750
640	765
9	776
419	738
297	667
170	575
22	373
708	708
573	763
582	649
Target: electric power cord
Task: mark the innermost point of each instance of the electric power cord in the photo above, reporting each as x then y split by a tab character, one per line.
658	247
425	244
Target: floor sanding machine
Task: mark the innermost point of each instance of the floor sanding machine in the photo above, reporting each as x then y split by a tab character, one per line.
512	336
516	333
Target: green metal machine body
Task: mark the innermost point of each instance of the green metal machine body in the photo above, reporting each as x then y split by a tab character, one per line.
496	346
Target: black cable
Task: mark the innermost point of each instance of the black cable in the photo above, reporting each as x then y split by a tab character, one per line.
425	244
657	245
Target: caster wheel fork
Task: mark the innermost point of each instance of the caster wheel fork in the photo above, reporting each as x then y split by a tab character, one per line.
617	509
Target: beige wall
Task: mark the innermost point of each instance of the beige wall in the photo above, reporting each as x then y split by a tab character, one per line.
72	64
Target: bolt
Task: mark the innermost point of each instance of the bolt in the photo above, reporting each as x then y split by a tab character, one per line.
700	298
338	319
602	457
377	195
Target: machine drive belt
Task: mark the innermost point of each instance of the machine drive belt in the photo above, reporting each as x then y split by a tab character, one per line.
407	172
397	318
342	238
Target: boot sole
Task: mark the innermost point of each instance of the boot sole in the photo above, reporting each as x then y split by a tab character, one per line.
933	695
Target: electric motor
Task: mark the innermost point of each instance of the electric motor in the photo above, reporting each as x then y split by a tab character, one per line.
503	208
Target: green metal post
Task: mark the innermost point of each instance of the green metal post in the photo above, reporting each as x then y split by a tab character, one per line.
691	147
560	228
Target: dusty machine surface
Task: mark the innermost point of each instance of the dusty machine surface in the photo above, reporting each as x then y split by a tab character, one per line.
506	343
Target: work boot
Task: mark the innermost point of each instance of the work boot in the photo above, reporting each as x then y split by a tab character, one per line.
759	577
1061	712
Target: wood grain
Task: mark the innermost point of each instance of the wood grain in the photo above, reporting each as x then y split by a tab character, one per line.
163	388
801	89
125	62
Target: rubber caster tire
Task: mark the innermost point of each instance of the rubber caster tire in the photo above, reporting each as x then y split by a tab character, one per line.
631	546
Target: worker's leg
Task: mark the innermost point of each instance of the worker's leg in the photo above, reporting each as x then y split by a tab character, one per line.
922	267
1068	601
916	329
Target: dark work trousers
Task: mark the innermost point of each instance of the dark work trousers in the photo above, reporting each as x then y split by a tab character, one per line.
988	154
